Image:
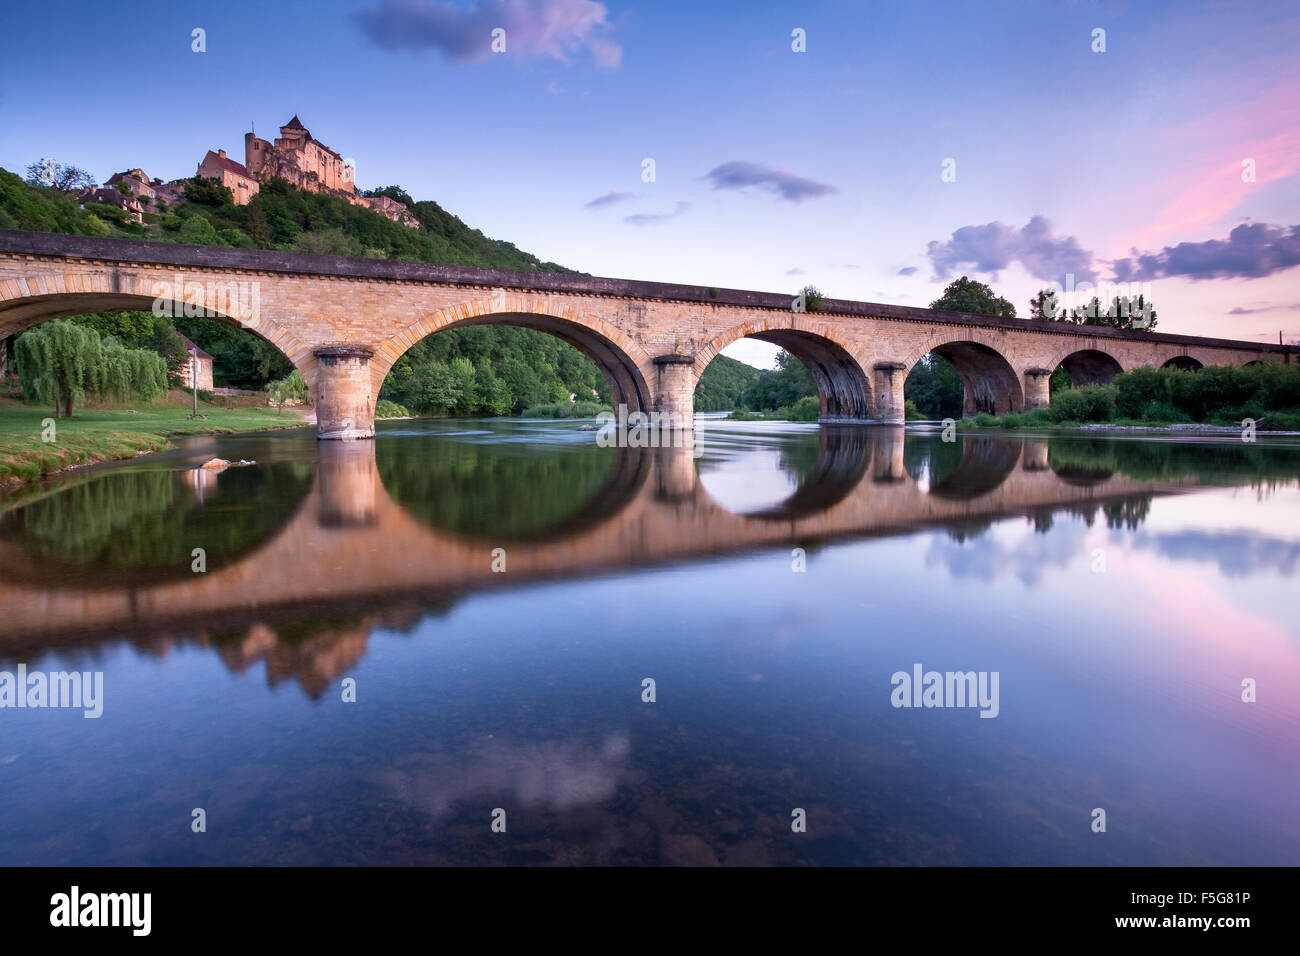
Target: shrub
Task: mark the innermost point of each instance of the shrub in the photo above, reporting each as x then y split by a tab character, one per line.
1282	421
807	409
1012	420
813	300
95	226
1163	412
389	409
1137	389
985	420
566	410
911	412
1091	403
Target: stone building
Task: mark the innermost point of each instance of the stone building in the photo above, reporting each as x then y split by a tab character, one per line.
392	209
234	176
135	183
111	197
296	157
306	162
200	362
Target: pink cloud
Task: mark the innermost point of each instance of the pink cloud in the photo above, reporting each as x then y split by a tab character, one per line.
1207	188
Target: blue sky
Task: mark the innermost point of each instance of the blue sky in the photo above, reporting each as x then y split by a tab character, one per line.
1125	162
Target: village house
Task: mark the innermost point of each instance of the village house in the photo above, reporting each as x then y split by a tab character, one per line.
134	182
234	176
111	197
200	362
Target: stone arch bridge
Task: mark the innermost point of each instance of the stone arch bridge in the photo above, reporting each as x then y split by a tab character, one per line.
344	323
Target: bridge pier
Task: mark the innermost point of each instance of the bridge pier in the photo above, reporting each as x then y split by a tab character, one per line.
674	472
889	379
345	402
1037	394
887	463
347	480
675	390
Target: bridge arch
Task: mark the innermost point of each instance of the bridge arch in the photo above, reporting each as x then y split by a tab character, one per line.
843	388
39	297
621	360
1090	367
989	381
1184	363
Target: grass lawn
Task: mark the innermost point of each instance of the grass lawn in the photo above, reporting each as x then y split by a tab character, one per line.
98	432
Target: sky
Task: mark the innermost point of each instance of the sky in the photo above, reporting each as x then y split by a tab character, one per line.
874	150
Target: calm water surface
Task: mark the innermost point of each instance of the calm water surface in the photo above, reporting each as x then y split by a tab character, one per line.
1122	590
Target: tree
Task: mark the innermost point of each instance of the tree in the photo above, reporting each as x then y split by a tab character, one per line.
936	388
813	300
1089	314
463	375
207	192
1044	305
57	363
328	242
197	231
140	330
494	396
255	224
95	226
129	373
780	387
967	295
54	175
60	361
434	388
290	388
1128	313
722	383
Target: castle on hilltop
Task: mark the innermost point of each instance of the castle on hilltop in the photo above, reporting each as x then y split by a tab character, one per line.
300	159
306	162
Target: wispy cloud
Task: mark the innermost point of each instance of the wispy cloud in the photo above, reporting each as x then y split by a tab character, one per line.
794	272
907	271
649	219
1251	251
610	199
553	29
993	246
739	174
1265	308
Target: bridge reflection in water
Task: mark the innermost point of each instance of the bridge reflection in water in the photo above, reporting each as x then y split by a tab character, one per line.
363	543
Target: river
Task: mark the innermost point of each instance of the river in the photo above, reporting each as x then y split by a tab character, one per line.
389	652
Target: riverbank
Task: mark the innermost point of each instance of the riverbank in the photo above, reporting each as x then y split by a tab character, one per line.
107	433
1030	422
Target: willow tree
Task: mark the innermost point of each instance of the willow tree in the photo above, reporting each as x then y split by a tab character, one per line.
59	362
130	373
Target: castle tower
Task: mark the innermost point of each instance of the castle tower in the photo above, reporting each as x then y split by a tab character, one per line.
256	152
295	133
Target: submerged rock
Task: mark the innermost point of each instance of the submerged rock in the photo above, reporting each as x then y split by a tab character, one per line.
220	464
